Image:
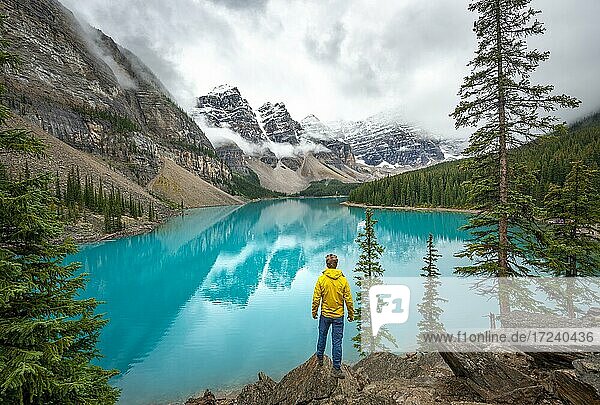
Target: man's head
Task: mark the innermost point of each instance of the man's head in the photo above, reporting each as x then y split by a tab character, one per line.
331	261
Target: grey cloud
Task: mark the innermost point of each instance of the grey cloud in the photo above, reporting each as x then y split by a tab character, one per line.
154	30
571	37
360	79
325	46
362	69
356	75
255	5
427	30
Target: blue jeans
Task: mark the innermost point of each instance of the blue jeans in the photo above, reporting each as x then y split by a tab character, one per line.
337	334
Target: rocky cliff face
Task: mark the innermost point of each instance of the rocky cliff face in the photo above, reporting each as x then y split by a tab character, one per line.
340	152
224	107
278	124
80	86
383	139
285	155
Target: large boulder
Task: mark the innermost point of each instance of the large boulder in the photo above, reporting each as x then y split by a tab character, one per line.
310	382
259	392
580	385
494	378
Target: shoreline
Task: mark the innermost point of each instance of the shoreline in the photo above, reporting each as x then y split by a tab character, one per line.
146	227
408	208
134	229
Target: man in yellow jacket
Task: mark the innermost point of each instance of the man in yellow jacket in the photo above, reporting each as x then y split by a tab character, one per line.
331	292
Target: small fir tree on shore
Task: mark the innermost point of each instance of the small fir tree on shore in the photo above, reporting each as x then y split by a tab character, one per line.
368	273
429	307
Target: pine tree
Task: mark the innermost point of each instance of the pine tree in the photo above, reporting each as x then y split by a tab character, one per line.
47	335
369	273
429	307
151	214
132	211
57	192
113	212
499	99
572	215
430	269
100	202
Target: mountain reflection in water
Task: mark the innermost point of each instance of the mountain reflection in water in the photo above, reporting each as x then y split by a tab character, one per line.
210	299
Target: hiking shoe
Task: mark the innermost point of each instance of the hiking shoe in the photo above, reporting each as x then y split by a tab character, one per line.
319	361
337	373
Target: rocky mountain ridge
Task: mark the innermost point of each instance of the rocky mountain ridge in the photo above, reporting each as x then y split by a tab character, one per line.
78	85
384	139
377	146
278	124
270	143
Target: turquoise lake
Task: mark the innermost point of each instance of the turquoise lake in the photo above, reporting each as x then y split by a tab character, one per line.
209	299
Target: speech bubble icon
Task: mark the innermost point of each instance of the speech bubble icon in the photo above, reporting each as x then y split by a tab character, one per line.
389	303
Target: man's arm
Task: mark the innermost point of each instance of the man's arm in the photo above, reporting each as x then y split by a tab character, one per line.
316	301
348	301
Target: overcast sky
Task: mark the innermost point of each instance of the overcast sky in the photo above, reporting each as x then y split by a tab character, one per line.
339	59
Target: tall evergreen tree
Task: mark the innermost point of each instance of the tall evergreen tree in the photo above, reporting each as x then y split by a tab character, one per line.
498	98
572	215
429	307
47	336
57	192
369	273
151	213
430	269
113	212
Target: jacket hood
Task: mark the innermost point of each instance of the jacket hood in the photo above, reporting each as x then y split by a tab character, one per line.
333	273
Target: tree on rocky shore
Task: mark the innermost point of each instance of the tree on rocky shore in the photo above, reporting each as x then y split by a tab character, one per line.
47	336
498	98
369	273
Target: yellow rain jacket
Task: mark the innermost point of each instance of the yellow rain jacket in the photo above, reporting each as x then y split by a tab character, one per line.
331	291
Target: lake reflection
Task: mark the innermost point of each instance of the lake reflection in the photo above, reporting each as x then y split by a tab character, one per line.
210	299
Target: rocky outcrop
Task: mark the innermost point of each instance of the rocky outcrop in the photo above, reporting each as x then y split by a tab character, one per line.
80	86
258	392
208	398
278	123
494	378
234	157
580	385
427	379
380	379
224	107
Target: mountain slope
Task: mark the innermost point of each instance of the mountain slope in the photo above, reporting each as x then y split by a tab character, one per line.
441	185
271	144
384	139
60	157
175	183
80	86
